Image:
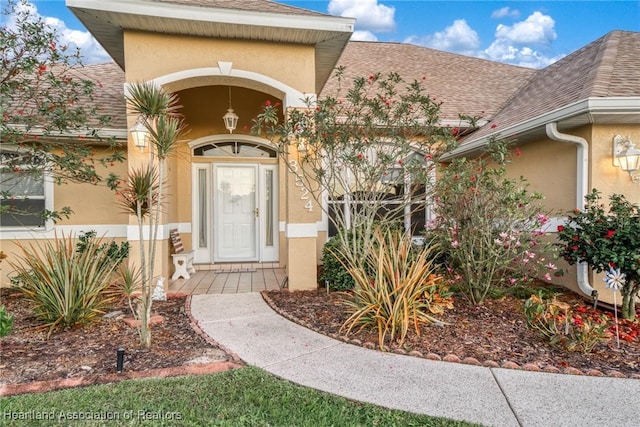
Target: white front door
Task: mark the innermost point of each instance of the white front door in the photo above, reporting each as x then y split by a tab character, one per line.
232	221
235	212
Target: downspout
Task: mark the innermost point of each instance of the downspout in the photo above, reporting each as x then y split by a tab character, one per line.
582	188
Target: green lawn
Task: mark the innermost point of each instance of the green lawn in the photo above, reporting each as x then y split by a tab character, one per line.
242	397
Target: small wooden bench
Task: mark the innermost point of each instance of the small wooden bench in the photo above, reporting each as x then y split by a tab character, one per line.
182	260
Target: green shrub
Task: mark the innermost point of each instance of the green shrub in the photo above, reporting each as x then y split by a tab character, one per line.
6	322
109	252
399	291
68	286
334	273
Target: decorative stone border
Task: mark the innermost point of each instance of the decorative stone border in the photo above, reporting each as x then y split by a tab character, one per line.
452	357
195	369
45	386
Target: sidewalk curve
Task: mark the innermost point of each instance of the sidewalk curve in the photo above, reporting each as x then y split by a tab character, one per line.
246	325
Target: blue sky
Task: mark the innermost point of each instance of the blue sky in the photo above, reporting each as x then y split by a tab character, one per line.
533	34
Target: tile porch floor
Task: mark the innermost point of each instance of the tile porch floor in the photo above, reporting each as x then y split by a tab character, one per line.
230	279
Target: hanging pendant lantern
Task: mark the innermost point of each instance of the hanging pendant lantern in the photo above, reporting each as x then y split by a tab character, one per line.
231	118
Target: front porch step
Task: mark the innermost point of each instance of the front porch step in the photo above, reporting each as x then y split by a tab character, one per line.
236	266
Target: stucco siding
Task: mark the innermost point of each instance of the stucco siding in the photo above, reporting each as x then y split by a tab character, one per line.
149	56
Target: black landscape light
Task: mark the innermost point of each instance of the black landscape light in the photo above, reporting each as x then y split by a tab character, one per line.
120	360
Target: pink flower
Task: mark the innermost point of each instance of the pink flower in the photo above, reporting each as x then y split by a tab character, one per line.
547	277
455	244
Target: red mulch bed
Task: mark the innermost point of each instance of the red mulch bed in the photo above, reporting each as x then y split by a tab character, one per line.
494	334
87	354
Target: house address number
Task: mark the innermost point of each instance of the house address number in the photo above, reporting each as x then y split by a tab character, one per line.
293	167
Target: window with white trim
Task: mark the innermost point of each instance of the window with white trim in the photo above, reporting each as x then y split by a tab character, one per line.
399	196
23	192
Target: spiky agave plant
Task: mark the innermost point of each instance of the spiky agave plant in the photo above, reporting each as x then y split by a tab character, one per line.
394	282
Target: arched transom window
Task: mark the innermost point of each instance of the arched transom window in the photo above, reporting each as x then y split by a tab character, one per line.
234	149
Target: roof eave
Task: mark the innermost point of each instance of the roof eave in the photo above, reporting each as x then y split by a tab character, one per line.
588	106
107	20
89	134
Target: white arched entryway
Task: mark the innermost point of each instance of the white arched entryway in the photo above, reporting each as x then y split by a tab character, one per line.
225	73
235	199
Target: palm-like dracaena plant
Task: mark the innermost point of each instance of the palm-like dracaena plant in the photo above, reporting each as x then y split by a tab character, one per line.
143	194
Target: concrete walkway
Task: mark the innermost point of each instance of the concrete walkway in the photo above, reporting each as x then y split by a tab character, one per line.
246	325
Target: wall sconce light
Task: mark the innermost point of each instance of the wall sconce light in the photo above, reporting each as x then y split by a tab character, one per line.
140	134
231	118
626	156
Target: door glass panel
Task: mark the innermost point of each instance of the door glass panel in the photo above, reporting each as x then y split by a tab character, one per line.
269	207
202	208
236	212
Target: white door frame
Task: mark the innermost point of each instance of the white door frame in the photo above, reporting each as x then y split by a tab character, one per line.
267	236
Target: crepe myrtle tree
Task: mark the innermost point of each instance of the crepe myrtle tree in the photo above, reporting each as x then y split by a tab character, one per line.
364	155
142	192
606	239
47	113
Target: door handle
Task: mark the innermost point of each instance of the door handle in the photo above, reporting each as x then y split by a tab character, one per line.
257	212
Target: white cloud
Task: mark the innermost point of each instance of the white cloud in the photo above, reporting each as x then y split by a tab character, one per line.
364	36
505	12
459	37
370	16
524	42
90	49
503	51
536	29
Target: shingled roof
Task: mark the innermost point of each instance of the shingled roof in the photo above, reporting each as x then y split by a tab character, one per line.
266	6
607	67
109	93
508	95
464	84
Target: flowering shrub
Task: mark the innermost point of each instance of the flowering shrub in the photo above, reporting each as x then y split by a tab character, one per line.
489	226
606	240
368	148
579	330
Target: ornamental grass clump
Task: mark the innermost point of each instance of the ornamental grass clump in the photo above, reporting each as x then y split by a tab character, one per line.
606	240
402	292
67	285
